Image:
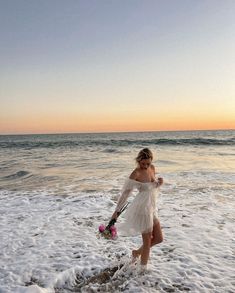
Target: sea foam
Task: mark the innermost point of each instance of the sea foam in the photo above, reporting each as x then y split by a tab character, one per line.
50	243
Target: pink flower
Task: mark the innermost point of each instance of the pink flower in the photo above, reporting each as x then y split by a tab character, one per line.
109	232
113	228
114	234
101	228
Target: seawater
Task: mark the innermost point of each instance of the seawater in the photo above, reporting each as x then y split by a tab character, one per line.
94	162
56	189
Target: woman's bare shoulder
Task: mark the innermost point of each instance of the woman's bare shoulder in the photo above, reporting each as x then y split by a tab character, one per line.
134	174
153	168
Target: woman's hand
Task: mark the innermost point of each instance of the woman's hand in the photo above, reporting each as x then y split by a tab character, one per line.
159	181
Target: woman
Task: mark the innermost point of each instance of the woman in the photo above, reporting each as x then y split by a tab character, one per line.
141	216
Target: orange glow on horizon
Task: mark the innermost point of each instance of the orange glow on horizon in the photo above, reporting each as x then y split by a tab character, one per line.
31	125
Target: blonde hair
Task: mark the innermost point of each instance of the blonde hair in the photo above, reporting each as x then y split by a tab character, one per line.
144	154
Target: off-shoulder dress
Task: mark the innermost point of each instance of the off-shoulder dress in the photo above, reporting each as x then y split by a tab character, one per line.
142	212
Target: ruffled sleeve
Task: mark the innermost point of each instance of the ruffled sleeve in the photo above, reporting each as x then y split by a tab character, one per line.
127	189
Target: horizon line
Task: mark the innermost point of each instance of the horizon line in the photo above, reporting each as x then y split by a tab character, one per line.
111	132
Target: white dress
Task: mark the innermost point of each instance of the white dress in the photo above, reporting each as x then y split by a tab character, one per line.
141	213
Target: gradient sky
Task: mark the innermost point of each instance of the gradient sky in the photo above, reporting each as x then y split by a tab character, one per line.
104	65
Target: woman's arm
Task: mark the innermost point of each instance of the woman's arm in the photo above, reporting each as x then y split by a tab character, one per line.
159	180
126	191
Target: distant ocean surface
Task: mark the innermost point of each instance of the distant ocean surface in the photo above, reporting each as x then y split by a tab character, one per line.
88	162
55	189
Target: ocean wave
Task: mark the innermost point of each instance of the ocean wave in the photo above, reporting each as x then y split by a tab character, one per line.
117	143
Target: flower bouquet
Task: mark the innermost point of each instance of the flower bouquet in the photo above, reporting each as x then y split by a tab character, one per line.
110	231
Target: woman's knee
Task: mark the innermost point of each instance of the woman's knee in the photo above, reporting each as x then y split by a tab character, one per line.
157	240
157	236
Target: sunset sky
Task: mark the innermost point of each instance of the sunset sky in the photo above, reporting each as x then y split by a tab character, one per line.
104	65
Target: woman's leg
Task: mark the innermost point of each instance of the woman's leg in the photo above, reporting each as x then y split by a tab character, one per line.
145	248
156	238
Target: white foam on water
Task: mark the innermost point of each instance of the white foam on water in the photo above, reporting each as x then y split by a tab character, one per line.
49	243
